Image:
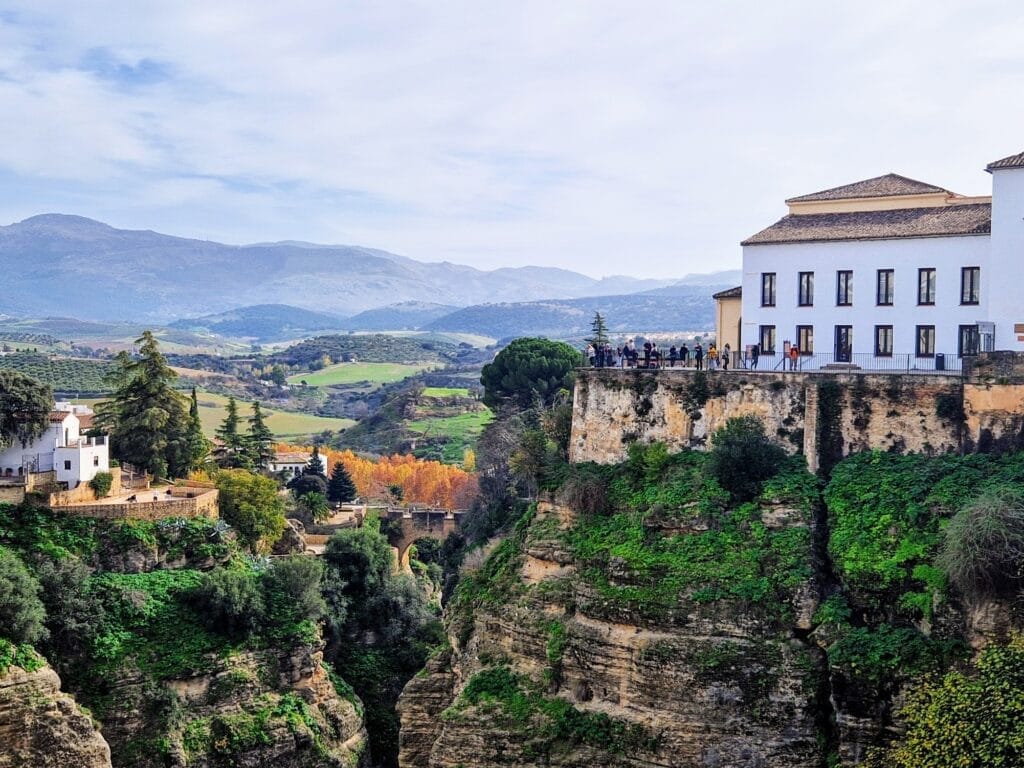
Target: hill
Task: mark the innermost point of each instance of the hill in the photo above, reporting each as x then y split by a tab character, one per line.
263	322
406	315
689	309
54	262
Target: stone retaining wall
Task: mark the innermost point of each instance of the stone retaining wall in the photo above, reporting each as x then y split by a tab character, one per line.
825	416
204	505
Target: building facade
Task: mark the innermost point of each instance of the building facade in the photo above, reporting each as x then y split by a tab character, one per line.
73	457
888	273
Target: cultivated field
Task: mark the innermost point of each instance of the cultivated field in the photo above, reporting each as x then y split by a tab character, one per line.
354	373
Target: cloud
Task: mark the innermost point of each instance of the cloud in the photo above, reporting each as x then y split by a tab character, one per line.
647	137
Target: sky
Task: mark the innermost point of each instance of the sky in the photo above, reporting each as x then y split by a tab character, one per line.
637	137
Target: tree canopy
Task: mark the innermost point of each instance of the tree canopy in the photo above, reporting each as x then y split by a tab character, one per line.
148	423
249	503
261	439
529	372
24	406
340	487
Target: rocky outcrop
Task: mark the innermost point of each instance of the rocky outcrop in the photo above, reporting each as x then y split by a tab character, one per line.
254	709
698	685
42	727
292	541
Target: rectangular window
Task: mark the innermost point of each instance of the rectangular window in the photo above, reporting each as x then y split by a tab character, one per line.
844	288
844	343
969	340
883	341
767	337
805	339
926	286
67	465
970	285
885	287
805	296
925	341
95	461
767	289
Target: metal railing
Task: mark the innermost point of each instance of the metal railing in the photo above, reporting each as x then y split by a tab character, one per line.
865	362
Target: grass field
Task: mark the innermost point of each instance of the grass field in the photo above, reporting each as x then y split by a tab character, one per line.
353	373
464	427
213	408
445	392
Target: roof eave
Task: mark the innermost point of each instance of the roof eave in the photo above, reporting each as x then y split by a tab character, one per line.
859	239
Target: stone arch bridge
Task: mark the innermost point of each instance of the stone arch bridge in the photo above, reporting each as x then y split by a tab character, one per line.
407	526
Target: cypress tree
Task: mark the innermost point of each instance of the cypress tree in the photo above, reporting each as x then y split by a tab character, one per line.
261	439
234	441
198	445
340	488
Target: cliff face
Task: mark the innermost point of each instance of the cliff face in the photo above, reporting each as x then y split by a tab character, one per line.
252	709
44	728
578	661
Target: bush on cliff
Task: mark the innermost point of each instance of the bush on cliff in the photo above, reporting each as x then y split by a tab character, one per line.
742	457
21	611
983	547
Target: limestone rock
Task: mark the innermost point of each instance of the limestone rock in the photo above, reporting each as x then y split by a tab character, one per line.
291	541
42	727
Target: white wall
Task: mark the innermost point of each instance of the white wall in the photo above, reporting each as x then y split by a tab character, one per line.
13	457
83	466
946	254
1006	304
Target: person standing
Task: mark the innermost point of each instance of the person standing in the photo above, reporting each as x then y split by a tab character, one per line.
684	356
726	354
673	355
755	353
698	356
590	354
794	356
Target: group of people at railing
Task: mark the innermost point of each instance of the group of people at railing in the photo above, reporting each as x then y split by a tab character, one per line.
649	355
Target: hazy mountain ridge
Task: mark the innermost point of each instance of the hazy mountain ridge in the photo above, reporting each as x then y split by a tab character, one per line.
61	265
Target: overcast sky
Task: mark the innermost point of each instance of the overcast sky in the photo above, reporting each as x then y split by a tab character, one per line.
634	137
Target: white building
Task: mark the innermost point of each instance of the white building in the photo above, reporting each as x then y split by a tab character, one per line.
889	273
291	463
62	449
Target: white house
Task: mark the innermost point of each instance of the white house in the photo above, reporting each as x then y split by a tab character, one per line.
290	462
62	449
889	273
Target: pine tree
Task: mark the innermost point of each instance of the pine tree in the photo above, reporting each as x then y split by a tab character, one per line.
236	455
261	439
315	465
340	488
145	416
599	329
198	445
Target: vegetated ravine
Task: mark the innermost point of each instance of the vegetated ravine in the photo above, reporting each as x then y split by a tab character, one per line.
645	615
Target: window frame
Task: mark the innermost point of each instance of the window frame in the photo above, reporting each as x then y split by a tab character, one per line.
930	329
973	328
890	284
879	352
805	298
927	298
974	284
844	276
767	277
807	350
760	339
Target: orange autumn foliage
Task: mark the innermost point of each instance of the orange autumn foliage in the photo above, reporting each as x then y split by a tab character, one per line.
424	482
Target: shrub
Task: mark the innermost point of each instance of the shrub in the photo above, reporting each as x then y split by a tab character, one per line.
983	548
101	484
292	593
230	602
742	457
586	490
21	611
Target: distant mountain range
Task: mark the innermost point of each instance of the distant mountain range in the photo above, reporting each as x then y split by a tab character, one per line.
69	266
265	322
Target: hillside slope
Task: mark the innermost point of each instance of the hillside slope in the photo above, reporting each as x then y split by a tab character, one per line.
54	262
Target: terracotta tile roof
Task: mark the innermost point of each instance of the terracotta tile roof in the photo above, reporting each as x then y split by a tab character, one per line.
1013	161
729	293
291	457
889	185
940	221
56	417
